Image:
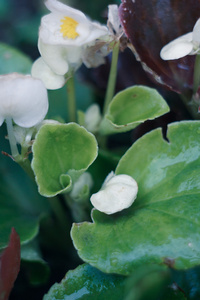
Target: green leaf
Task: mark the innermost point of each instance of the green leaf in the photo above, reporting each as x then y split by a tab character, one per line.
11	215
12	60
21	206
87	283
61	153
153	283
163	224
132	107
37	269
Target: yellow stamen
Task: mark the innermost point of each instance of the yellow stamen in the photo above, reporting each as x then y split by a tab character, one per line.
68	28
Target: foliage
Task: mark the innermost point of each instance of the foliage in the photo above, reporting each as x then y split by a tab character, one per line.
70	250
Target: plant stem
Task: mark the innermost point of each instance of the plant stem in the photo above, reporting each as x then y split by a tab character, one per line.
11	137
71	103
196	82
58	210
112	77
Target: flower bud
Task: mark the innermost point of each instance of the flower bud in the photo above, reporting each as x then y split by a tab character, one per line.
117	193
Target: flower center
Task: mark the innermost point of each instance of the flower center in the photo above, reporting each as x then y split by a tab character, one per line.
68	28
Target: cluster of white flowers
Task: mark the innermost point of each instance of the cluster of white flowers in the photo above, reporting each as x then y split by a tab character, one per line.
67	38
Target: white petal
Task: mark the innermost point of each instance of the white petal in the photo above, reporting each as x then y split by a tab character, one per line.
23	98
113	17
178	48
60	8
59	58
50	31
95	31
55	57
118	193
88	31
51	80
196	33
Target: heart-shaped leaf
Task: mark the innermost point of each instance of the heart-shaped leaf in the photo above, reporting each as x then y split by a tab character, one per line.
61	153
163	224
132	107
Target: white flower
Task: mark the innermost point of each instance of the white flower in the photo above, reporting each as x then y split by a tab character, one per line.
64	36
23	99
187	44
117	193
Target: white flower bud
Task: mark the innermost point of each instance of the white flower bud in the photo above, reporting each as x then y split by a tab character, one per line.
92	118
117	193
85	181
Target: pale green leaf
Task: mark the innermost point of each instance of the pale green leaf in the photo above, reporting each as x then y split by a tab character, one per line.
132	107
61	153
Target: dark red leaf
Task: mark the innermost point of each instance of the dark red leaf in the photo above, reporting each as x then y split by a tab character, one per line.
9	265
151	24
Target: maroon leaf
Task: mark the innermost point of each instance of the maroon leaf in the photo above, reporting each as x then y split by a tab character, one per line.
151	24
9	265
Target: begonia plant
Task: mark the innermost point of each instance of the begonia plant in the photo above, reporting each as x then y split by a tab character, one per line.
99	187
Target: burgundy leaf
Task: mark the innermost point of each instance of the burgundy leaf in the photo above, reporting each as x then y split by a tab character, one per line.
151	24
9	265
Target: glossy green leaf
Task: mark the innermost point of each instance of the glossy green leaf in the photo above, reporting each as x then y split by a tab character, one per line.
12	60
132	107
163	224
87	283
153	283
61	153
